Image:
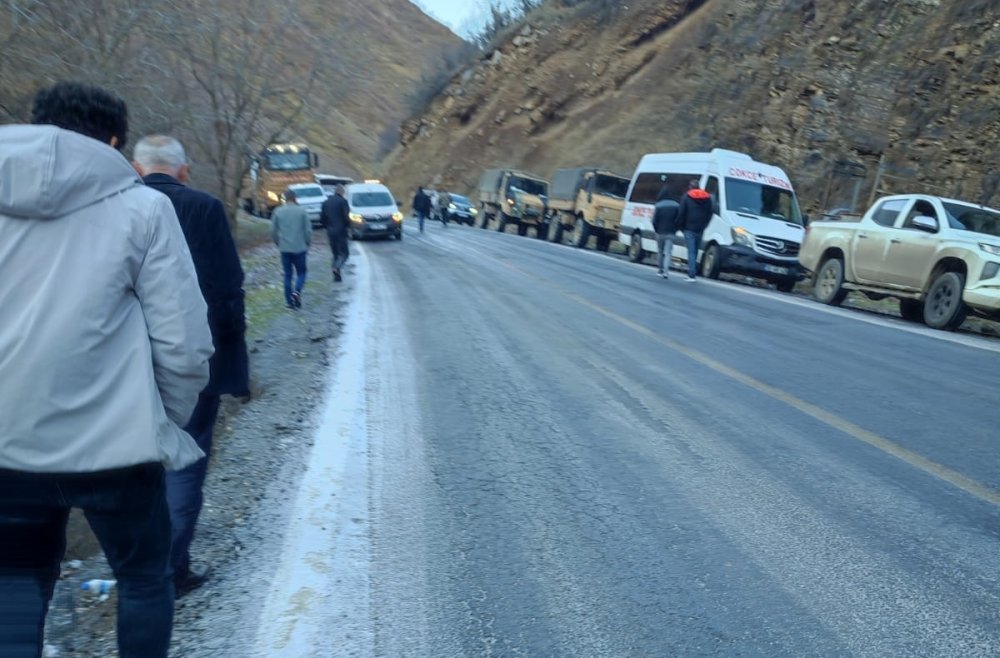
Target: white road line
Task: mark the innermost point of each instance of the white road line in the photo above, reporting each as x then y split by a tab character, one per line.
964	340
318	604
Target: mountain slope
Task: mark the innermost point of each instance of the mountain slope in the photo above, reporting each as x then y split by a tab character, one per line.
801	83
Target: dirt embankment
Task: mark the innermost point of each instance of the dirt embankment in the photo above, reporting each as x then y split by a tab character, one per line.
799	83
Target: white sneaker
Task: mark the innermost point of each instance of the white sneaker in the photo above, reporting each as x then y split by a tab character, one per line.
690	279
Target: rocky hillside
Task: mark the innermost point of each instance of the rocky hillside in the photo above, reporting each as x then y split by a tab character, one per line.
237	70
800	83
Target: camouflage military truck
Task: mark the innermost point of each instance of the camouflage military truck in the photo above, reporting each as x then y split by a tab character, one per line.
271	171
514	197
587	201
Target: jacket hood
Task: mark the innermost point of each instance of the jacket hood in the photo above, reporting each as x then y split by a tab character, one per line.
47	172
699	195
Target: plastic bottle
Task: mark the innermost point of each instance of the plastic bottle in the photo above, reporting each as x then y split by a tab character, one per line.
98	586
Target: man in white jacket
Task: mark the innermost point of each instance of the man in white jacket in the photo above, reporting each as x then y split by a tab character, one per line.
104	347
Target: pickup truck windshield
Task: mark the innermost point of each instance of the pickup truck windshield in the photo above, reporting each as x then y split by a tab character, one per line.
287	161
529	186
611	186
371	200
976	220
762	200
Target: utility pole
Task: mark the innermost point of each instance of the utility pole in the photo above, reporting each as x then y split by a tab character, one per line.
878	179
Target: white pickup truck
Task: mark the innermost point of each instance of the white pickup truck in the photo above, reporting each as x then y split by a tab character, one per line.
939	257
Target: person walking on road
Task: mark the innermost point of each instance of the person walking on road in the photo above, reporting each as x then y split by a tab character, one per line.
665	225
292	233
336	217
693	216
443	200
104	348
162	163
421	206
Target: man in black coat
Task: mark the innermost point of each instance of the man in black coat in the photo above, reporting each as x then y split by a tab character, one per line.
421	206
693	216
665	226
162	163
336	217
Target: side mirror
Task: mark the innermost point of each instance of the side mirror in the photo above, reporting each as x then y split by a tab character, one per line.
315	161
925	223
805	219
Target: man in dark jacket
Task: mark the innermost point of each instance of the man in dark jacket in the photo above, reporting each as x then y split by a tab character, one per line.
695	213
665	225
421	206
336	217
162	163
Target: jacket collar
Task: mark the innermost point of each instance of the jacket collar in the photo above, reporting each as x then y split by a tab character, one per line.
161	179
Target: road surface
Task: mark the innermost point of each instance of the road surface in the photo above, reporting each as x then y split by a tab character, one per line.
535	451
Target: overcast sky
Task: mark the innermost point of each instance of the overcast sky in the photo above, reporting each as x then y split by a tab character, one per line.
462	16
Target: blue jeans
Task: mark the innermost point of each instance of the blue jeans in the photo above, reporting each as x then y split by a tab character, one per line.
184	487
693	240
421	217
298	262
338	247
127	510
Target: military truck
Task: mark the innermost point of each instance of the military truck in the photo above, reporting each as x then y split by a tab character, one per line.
514	197
271	171
587	201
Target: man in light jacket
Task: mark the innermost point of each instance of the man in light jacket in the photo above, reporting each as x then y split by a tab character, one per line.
104	347
665	225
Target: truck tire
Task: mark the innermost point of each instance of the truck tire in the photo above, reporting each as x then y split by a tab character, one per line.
943	307
603	243
501	222
711	264
484	218
829	287
581	233
911	310
542	231
555	229
522	229
635	252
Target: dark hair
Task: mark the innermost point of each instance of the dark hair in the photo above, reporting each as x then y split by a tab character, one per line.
87	110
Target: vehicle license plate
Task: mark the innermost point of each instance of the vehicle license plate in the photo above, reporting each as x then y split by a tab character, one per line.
378	226
774	269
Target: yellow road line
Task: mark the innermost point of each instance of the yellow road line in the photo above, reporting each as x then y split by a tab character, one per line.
857	432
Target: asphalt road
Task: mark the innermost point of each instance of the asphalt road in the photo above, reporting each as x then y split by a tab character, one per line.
568	456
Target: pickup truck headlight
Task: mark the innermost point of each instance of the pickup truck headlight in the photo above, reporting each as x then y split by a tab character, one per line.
990	248
743	237
397	217
356	218
273	196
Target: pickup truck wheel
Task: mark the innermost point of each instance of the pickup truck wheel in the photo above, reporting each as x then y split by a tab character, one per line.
582	233
710	262
501	222
911	310
555	230
944	308
635	252
830	283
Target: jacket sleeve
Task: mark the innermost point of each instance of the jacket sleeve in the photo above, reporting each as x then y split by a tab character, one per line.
307	227
176	315
274	227
325	212
681	215
224	292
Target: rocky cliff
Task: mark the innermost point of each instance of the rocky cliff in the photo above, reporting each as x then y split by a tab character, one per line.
800	83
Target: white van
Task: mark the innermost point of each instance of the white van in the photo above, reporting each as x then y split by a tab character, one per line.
757	227
374	213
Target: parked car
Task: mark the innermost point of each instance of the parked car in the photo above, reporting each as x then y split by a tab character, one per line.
460	210
311	197
940	257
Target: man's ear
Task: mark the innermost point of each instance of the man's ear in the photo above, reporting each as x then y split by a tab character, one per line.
138	169
113	141
183	174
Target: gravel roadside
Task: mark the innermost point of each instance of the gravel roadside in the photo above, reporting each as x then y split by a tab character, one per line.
259	449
